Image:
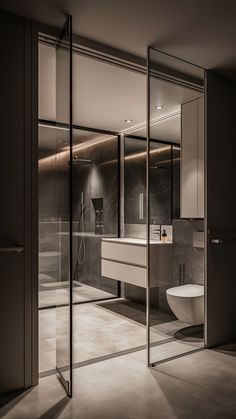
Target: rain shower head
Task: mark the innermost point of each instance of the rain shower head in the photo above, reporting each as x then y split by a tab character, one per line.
81	161
158	167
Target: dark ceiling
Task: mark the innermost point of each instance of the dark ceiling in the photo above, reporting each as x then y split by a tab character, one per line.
200	31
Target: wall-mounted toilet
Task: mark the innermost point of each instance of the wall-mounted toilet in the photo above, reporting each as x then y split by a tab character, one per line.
187	303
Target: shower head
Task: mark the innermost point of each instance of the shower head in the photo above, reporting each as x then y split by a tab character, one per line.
158	167
81	161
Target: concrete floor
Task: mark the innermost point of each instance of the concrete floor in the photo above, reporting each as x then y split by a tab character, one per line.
52	294
100	331
197	386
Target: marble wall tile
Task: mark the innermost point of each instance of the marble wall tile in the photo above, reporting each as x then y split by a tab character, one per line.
97	180
185	253
162	181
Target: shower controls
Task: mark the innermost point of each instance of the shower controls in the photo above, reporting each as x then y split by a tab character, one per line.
98	207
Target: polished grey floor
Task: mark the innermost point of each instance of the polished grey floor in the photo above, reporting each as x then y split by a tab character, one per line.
108	328
197	386
57	293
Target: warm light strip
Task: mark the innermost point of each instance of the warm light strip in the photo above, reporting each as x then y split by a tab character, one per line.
54	127
152	122
78	147
165	162
54	157
91	143
144	153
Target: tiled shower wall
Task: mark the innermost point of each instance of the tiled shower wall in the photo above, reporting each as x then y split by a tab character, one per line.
98	180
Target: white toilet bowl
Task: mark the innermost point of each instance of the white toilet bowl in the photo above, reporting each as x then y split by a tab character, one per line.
187	303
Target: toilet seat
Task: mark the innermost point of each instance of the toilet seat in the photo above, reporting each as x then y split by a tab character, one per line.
188	290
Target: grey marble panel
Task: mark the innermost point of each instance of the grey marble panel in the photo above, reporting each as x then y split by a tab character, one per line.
185	253
138	231
162	182
97	180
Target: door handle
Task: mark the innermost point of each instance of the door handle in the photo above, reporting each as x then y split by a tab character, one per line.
221	241
12	249
216	241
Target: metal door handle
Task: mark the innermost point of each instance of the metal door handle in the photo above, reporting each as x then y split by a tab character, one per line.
216	241
220	241
13	249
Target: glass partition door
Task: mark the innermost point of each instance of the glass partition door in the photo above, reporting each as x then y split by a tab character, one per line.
175	208
64	204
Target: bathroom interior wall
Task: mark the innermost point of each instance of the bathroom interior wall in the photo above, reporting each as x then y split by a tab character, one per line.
187	261
164	194
135	182
97	181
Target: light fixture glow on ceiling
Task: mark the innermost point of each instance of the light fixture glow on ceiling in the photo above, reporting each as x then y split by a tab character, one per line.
128	121
159	107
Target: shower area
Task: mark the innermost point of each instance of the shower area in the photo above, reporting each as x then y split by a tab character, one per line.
95	167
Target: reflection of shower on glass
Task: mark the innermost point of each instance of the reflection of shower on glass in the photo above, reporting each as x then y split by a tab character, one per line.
81	238
81	161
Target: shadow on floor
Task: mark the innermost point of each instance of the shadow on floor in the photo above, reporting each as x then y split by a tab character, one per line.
190	333
56	410
10	400
137	312
227	348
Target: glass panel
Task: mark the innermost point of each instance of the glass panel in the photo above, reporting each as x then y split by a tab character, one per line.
175	245
95	211
63	170
51	143
135	187
95	189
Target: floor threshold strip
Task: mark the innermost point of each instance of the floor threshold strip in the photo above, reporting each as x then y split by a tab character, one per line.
106	357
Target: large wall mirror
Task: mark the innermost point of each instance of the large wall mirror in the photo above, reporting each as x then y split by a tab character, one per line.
165	182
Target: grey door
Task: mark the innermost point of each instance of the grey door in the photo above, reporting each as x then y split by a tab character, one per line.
15	208
221	209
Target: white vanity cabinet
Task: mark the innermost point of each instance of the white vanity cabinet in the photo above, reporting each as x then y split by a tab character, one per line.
192	160
125	259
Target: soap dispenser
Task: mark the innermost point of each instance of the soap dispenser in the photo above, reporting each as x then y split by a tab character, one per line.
164	236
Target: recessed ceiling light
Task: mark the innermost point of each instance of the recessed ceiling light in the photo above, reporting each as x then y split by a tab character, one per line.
128	121
159	107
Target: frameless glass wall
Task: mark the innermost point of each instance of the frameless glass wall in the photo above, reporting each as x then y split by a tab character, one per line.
161	167
52	192
175	298
95	193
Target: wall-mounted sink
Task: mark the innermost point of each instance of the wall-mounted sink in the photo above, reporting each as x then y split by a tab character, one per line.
125	259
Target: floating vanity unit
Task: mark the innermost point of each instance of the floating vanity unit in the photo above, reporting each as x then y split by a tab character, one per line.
125	259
